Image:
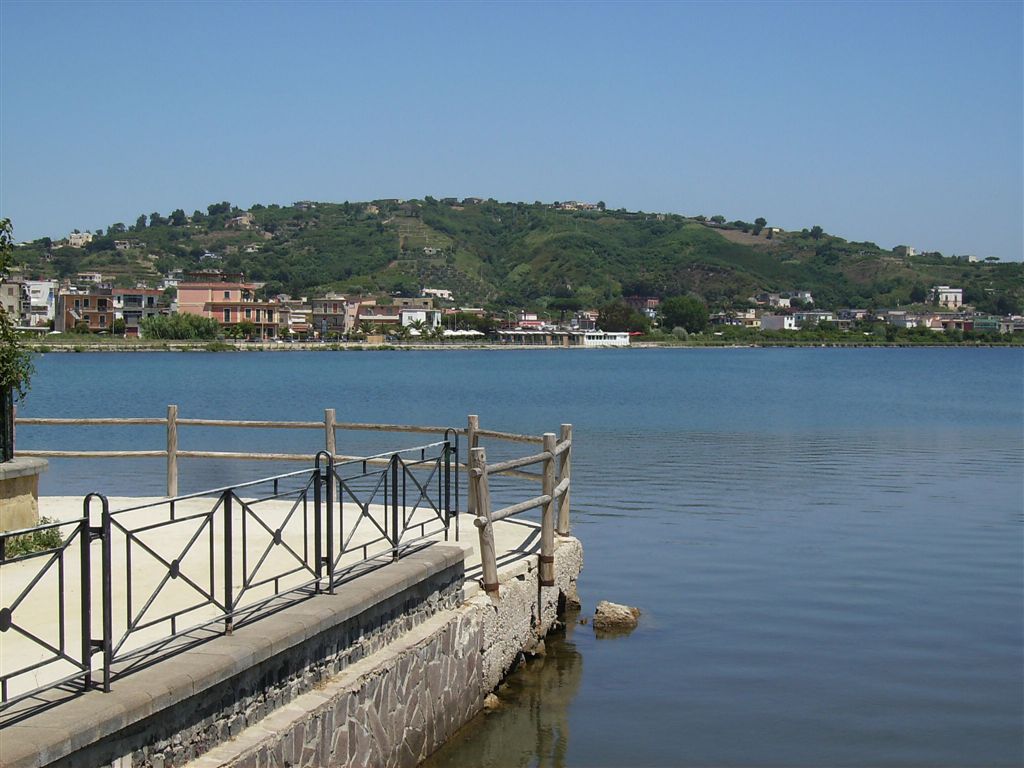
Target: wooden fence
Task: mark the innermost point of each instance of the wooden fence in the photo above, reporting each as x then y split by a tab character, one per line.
554	489
554	460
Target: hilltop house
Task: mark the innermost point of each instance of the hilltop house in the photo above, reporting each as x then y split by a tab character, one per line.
950	298
438	293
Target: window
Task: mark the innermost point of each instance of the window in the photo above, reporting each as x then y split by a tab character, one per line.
103	320
227	294
227	315
270	315
248	313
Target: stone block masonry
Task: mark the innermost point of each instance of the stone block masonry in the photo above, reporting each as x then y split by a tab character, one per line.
380	674
397	707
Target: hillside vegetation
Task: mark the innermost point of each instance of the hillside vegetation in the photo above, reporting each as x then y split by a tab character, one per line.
518	254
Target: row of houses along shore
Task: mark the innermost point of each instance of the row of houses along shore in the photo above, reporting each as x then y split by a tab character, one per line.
88	304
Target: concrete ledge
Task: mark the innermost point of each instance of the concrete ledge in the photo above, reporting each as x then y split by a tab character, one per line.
142	705
21	466
19	492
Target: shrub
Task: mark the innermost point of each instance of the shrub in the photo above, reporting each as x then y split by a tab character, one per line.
34	541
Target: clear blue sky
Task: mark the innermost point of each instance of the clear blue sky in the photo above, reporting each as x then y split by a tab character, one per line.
891	122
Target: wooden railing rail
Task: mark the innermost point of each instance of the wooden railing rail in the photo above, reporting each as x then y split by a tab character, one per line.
555	489
555	481
330	425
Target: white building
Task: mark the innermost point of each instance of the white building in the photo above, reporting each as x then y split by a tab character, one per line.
431	318
778	323
42	296
79	239
950	298
812	318
602	339
438	293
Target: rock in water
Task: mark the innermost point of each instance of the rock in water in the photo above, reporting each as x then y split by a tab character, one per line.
612	617
491	703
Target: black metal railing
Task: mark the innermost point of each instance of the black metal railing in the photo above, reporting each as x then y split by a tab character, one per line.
56	651
413	489
175	572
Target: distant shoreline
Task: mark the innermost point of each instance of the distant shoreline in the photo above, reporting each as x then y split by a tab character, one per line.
207	346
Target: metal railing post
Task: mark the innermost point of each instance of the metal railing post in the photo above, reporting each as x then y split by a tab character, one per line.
229	608
107	643
172	451
317	522
395	532
547	520
488	558
565	473
448	489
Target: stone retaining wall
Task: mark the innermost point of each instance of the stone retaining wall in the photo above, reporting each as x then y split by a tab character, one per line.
381	674
397	707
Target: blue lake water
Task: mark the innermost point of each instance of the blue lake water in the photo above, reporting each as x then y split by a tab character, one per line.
828	545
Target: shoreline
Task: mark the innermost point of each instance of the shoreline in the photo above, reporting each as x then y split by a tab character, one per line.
217	346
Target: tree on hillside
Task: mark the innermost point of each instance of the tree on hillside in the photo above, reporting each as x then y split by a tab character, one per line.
684	312
718	219
215	209
617	316
140	223
178	217
564	305
759	224
155	219
817	232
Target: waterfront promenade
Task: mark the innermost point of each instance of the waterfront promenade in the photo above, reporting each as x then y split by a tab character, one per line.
501	628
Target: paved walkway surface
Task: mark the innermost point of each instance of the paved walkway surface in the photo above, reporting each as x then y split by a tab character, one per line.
177	566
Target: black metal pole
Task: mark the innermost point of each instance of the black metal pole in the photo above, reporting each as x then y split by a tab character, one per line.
395	533
228	566
6	424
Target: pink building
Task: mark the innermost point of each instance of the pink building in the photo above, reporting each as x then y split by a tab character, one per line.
231	303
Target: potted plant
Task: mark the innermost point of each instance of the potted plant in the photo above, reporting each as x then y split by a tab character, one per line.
15	360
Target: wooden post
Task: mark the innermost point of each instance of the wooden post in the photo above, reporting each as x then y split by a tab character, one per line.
330	441
488	557
172	451
547	520
564	472
472	441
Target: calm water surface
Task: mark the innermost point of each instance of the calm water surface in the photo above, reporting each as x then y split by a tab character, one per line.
828	545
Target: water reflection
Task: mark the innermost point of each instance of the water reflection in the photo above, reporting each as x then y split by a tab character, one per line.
532	726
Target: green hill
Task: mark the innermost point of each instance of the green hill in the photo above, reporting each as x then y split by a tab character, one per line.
519	254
